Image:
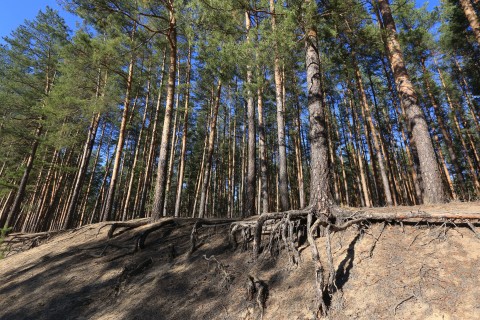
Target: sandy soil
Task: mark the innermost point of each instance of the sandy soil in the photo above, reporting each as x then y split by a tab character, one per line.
383	271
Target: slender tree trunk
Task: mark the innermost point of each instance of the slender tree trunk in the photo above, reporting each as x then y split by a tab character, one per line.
473	173
153	142
376	143
363	171
431	178
251	172
199	184
209	153
173	147
443	164
282	149
92	175
159	195
181	170
299	159
464	85
23	182
233	180
126	206
263	154
107	210
85	159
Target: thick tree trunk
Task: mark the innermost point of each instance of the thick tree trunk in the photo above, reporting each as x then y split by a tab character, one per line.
433	191
319	179
159	195
471	17
443	128
410	161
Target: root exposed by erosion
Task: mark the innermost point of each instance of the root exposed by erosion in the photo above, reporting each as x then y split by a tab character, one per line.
321	275
286	227
289	229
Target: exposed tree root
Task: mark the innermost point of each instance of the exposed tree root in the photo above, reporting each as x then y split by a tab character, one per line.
206	223
227	277
258	290
127	225
142	236
130	271
282	227
287	230
18	242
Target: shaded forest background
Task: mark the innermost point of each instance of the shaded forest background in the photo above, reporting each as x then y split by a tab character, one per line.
199	108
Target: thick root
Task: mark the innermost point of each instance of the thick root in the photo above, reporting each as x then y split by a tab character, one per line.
127	225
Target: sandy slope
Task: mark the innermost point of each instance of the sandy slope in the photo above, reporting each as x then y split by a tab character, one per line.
413	272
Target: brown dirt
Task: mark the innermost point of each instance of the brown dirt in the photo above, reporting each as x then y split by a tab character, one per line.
414	272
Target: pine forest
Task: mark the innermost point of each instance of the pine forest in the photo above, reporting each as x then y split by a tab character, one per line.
271	117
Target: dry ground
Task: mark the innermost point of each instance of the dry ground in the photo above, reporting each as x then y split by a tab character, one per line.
413	271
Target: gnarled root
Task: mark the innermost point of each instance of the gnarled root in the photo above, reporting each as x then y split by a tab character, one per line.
258	290
227	277
141	237
206	223
127	225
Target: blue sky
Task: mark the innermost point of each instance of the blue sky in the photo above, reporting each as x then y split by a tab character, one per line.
15	12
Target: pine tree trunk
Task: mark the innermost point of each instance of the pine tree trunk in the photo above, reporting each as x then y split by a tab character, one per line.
471	107
433	191
376	143
358	155
319	179
199	180
126	206
472	18
92	175
251	174
159	195
209	153
153	142
400	110
299	160
233	180
85	160
282	149
471	166
23	182
263	154
181	170
173	148
443	128
108	208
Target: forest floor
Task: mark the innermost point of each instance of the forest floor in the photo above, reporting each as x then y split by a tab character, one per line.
383	271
